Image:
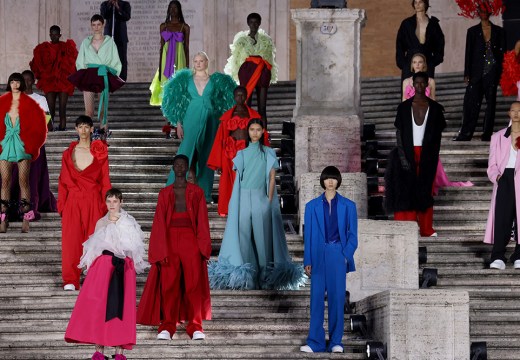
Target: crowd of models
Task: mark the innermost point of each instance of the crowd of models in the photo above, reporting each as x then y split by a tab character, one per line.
219	131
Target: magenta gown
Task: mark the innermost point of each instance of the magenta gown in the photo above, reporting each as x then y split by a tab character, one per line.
441	179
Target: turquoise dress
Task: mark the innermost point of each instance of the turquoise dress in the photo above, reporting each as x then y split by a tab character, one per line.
254	253
200	125
13	148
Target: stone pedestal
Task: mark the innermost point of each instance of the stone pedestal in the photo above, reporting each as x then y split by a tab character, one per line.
419	324
353	186
386	258
328	108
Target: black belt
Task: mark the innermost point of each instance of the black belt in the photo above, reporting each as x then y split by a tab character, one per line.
116	288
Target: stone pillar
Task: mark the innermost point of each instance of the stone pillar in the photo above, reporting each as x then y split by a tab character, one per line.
328	109
353	186
419	324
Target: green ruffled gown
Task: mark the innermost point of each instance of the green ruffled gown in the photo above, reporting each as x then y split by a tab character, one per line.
200	126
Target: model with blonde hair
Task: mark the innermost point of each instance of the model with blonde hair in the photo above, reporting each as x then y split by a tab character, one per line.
418	64
194	101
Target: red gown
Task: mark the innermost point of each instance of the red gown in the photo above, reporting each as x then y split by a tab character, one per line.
81	203
52	64
224	150
33	126
154	304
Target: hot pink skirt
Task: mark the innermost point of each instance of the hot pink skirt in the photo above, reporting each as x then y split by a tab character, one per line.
87	323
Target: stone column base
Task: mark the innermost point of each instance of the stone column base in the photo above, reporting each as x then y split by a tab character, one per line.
420	324
323	140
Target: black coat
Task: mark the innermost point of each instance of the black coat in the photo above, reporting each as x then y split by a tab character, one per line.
476	48
407	45
404	188
122	16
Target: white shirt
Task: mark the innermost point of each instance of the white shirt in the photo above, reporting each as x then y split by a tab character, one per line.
418	130
512	158
41	100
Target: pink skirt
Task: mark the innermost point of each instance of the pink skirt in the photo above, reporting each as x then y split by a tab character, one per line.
87	323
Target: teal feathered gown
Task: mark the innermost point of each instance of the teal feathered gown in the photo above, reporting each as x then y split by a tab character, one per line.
199	116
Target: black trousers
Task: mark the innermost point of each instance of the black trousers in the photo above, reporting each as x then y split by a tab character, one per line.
121	50
487	86
505	215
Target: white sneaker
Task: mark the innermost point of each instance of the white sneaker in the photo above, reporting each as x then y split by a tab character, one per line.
337	349
164	335
517	264
198	335
434	235
499	264
306	348
69	287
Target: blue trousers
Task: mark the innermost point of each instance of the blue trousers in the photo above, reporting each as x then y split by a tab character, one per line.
330	276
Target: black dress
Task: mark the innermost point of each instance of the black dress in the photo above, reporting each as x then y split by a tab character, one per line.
407	45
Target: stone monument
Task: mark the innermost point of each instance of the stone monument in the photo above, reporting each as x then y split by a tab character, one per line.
328	112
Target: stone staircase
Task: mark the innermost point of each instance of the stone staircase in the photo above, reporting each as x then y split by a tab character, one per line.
246	324
459	215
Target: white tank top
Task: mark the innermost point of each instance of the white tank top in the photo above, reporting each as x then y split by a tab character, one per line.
418	130
512	158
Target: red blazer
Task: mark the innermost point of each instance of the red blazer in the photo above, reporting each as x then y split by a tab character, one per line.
33	125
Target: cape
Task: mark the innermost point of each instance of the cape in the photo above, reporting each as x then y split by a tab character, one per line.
242	47
149	310
33	125
176	97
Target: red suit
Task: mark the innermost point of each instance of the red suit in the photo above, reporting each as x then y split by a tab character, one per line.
175	251
52	64
81	203
33	126
224	150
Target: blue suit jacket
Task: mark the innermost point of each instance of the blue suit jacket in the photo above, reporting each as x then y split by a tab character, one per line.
314	232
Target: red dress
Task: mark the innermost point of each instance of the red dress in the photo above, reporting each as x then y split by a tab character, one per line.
33	126
81	203
224	150
52	64
159	296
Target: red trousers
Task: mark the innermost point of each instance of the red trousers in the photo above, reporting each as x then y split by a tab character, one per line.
183	268
78	222
423	218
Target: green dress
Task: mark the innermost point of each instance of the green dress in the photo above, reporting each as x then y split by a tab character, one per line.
13	148
200	126
199	115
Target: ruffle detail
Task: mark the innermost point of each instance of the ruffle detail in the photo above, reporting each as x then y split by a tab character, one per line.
285	276
176	97
223	275
243	47
124	238
510	74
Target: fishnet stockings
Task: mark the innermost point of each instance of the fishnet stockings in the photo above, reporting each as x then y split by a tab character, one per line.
6	171
89	99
